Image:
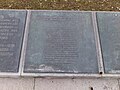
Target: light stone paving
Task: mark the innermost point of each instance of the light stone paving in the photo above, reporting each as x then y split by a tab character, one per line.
58	84
76	84
16	83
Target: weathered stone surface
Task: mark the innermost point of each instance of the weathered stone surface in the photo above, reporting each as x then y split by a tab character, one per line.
58	84
16	83
11	35
76	84
61	41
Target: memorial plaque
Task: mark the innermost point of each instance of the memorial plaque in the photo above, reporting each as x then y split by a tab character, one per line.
61	42
11	35
109	29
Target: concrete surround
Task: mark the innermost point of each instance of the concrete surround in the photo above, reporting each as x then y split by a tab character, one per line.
29	83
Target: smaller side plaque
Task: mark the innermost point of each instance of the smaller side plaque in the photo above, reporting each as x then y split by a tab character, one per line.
109	29
11	35
61	42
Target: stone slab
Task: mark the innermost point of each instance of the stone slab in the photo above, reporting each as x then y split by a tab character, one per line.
16	83
109	29
76	84
61	42
12	25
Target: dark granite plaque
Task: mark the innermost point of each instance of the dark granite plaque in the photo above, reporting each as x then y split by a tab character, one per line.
109	29
61	42
11	34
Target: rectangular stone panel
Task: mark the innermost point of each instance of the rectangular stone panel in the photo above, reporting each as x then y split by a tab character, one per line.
77	84
109	30
16	83
11	34
61	42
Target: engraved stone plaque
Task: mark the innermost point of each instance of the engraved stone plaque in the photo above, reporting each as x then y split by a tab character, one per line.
109	29
60	42
11	35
